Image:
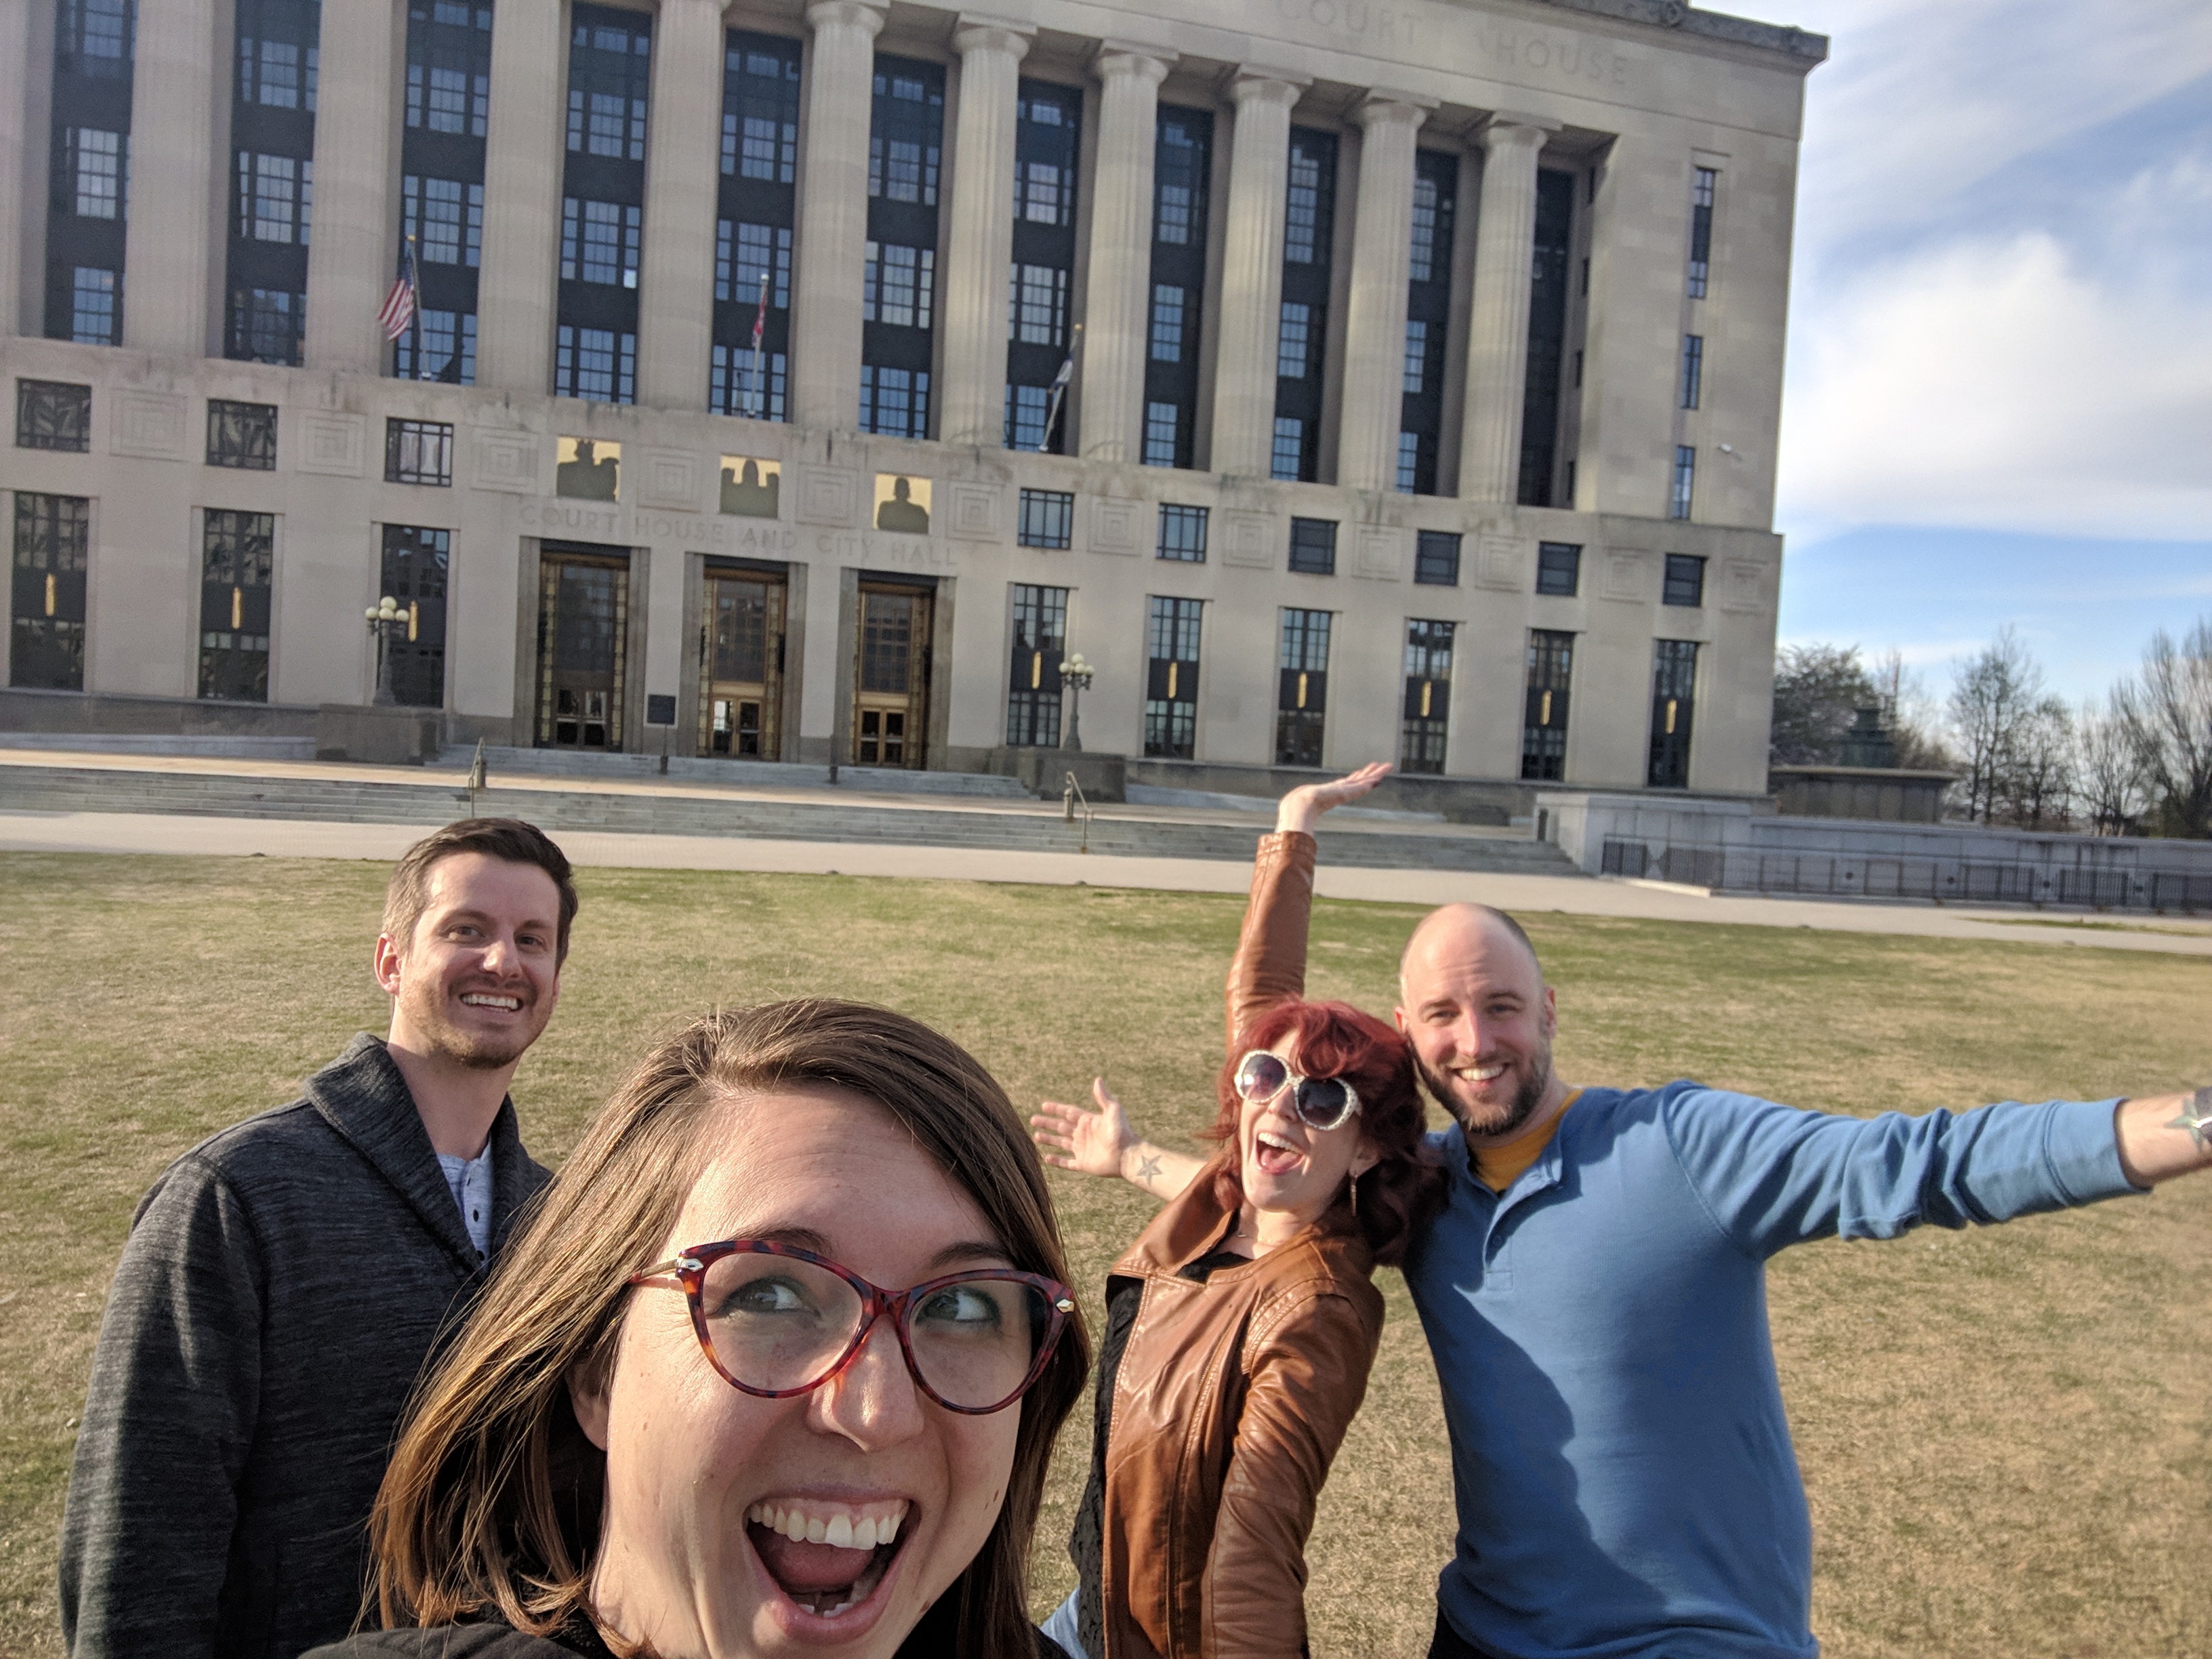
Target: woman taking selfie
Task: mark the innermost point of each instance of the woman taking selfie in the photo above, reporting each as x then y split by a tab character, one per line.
1240	1330
776	1369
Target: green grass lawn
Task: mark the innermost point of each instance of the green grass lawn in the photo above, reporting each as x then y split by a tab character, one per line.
2004	1433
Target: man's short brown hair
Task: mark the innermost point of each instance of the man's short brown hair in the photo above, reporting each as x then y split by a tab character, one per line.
510	840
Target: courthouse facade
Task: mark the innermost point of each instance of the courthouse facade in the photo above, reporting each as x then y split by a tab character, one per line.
1342	379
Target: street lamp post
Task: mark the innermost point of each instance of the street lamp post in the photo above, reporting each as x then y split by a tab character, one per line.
1076	675
387	622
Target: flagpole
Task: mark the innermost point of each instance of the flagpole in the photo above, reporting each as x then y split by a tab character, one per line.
760	321
1059	388
415	282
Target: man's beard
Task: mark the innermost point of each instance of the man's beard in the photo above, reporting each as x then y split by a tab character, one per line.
1536	1079
475	1051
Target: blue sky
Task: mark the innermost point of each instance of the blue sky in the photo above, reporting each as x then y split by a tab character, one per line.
1998	406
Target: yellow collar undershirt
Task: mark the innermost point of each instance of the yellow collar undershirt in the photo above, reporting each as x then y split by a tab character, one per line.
1499	1167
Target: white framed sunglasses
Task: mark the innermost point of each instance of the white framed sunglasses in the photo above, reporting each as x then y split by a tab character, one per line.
1321	1103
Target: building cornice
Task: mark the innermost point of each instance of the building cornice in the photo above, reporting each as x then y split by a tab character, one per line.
1801	44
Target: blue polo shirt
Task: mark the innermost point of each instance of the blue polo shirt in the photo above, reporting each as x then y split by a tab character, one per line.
1626	1483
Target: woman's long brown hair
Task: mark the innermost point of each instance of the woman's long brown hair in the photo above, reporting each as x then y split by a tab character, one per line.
490	1507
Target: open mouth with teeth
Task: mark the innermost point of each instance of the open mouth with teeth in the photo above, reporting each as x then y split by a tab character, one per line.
828	1558
491	999
1275	1155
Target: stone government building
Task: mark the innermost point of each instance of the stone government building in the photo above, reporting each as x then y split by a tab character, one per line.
1426	369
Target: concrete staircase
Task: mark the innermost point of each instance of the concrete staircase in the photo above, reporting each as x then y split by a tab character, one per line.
791	814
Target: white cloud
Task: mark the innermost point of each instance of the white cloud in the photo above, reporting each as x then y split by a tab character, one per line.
1994	384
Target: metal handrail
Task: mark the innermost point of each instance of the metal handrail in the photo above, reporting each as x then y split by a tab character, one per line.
1068	797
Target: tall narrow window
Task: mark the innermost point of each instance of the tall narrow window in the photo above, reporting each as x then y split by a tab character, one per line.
1309	218
1428	312
1548	337
1171	632
603	203
1703	188
1544	714
1047	121
1428	696
1686	479
272	138
757	203
1673	695
45	648
1302	688
415	571
1181	160
441	163
906	137
88	150
1694	368
1040	638
235	566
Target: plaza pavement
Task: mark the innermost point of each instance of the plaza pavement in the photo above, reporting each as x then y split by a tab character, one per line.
151	833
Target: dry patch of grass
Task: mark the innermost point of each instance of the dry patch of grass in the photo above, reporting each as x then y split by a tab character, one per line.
2004	1433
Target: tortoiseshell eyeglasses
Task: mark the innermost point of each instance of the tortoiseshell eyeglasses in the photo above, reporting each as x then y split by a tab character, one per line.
777	1320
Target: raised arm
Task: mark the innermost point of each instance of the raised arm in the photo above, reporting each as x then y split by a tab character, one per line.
1270	964
2162	1136
1103	1142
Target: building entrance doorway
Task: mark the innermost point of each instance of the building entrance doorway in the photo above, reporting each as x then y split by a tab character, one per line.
741	666
891	691
583	628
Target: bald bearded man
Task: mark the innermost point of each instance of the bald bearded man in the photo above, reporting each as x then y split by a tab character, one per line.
1593	1290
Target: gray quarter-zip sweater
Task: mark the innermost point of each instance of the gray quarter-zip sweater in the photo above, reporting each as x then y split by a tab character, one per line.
282	1286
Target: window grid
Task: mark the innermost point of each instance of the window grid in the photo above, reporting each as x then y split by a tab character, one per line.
92	160
760	114
1047	519
53	544
53	415
446	218
1686	478
1036	312
895	402
1291	338
418	452
416	562
1301	696
745	253
598	365
599	242
1435	558
1289	447
93	320
237	555
1167	323
1417	356
1160	425
610	77
733	389
1182	533
1702	190
1428	697
449	68
1033	686
904	147
275	199
1551	658
1558	568
1409	462
241	435
449	349
1313	547
1686	580
93	38
1171	647
1694	368
1028	408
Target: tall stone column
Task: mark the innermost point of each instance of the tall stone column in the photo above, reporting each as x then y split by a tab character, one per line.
15	136
1375	325
169	244
980	248
682	172
1115	292
1249	331
351	260
833	216
523	149
1497	325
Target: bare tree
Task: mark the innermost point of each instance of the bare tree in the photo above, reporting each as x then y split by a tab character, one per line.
2169	713
2109	782
1994	695
2037	781
1910	711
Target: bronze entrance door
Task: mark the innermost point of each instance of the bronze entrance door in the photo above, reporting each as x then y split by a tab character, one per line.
583	625
891	691
741	666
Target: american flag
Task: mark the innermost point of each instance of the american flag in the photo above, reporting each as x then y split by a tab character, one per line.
1059	387
399	304
760	323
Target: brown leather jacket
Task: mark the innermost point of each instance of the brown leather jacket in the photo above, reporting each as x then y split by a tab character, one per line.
1270	965
1233	1395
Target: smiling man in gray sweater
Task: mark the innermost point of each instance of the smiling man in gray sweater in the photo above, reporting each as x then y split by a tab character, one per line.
285	1280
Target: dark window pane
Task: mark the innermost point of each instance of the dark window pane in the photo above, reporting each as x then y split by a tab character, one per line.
1435	558
1558	568
1313	547
53	415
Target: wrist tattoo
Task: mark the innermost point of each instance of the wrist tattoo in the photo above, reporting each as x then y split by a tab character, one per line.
2196	1118
1149	1168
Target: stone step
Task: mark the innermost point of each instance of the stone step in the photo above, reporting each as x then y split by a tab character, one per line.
86	789
728	773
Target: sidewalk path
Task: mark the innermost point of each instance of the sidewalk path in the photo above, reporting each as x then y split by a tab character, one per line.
133	832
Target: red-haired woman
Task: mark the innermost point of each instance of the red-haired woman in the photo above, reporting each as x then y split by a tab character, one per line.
1240	1329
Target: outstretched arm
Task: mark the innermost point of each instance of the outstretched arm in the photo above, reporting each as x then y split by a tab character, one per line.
1103	1142
2162	1136
1270	964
